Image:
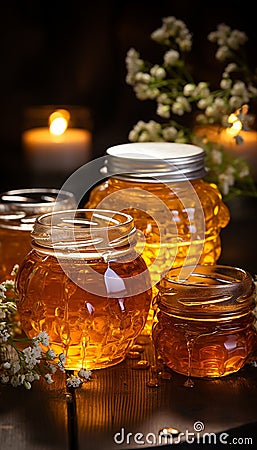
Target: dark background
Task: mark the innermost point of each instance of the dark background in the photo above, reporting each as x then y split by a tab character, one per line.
73	53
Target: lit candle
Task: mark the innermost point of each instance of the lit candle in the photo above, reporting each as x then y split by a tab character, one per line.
57	148
247	150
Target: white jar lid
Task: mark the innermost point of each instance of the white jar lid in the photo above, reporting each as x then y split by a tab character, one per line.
155	161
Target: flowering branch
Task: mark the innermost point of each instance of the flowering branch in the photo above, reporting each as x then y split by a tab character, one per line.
24	360
177	96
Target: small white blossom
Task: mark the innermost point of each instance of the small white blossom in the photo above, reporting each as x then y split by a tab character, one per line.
83	373
74	382
4	378
169	133
225	83
7	365
231	67
244	172
158	72
226	180
216	156
51	354
163	110
27	384
48	378
189	89
43	338
171	57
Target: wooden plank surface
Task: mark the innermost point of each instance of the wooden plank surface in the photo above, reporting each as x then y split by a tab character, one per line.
34	419
117	401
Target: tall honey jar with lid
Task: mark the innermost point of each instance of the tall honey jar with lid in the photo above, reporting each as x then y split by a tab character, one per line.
178	215
85	285
205	323
18	211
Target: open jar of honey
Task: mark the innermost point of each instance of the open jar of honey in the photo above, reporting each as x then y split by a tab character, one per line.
85	285
18	211
178	215
205	321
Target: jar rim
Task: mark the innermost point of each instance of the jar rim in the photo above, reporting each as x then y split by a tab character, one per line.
216	290
207	271
19	207
94	229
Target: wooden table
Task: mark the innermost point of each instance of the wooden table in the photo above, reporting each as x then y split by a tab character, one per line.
118	398
117	401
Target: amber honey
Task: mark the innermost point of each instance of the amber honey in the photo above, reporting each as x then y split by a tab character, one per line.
205	325
92	298
18	211
148	188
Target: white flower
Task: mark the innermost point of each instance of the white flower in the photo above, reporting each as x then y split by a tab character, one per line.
51	354
244	172
7	365
189	89
158	72
231	67
27	384
225	83
74	382
216	156
163	110
235	101
62	358
48	378
169	133
223	53
43	338
226	180
171	57
83	373
159	35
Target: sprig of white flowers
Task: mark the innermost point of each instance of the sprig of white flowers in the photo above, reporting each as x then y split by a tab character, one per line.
24	360
172	87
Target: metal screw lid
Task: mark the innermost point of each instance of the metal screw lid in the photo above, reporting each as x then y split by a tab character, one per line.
155	162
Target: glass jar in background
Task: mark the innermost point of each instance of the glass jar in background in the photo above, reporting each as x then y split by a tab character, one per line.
205	322
18	211
179	214
85	285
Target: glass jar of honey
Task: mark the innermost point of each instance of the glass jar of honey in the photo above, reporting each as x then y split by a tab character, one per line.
18	211
178	214
85	285
205	321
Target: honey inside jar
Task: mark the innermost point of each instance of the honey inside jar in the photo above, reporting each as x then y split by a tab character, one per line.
178	215
88	289
18	211
205	325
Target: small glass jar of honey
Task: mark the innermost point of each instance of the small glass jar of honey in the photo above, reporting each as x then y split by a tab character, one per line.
18	211
205	321
85	285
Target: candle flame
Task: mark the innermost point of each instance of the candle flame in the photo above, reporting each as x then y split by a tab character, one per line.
58	122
